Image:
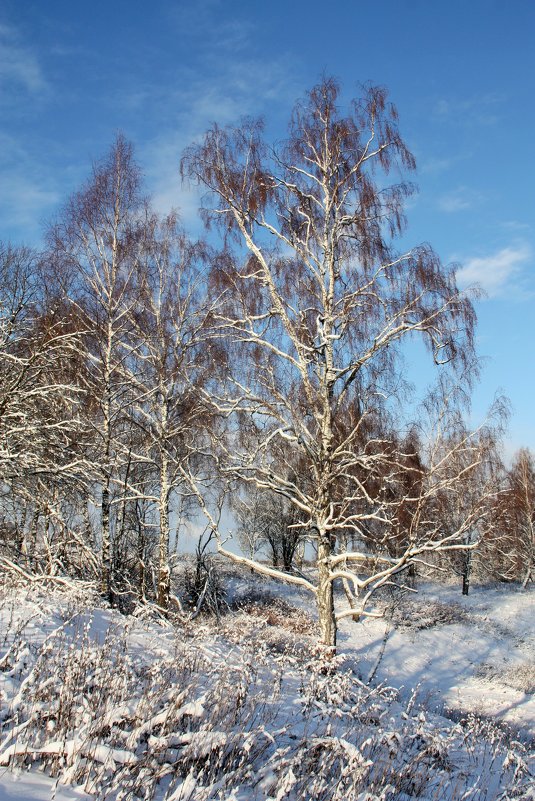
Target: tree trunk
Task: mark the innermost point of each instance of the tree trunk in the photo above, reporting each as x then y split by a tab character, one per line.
34	533
325	596
141	554
164	579
88	529
528	577
105	571
466	572
411	575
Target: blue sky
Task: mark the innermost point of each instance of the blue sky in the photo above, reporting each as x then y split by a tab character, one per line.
462	75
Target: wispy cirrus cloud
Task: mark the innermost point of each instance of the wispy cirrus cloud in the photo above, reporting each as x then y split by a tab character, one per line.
459	199
25	202
26	185
224	78
29	192
498	272
516	225
243	87
20	69
211	25
479	110
436	166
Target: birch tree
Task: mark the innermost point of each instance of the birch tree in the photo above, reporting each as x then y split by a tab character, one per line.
462	482
170	354
40	419
95	248
317	304
512	547
38	398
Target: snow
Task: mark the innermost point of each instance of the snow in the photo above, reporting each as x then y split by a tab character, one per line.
466	666
35	786
249	710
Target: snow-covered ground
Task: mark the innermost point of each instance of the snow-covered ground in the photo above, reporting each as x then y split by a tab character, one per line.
94	704
470	654
34	786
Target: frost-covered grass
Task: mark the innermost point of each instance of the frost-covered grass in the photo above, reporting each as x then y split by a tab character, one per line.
248	708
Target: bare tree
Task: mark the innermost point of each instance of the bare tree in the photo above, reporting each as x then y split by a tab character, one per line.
268	523
40	422
39	400
511	544
316	304
464	469
250	519
169	357
94	249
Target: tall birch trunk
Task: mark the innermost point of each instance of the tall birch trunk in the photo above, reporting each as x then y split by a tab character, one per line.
142	581
164	578
325	594
105	575
105	570
467	569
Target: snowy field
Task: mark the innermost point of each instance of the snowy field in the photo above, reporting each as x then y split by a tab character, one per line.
435	701
471	654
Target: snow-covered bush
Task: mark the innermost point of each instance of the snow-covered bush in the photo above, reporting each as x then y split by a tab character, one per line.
133	710
276	612
425	616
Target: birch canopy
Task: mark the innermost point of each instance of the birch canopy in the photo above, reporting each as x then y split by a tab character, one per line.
38	401
316	302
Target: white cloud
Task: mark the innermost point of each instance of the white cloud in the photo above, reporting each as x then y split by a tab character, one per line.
25	203
515	225
459	199
29	191
498	271
435	166
19	67
210	24
478	110
245	87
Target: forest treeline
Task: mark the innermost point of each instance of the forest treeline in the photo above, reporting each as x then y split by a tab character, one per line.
147	378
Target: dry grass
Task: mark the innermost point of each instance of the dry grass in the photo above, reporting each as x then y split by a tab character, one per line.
420	615
520	677
277	612
221	715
